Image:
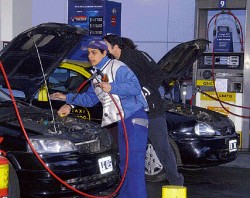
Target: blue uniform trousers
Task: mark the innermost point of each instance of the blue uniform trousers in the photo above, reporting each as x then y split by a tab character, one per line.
134	185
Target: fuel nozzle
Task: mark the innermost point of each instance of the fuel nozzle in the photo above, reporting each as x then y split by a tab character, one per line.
105	78
95	74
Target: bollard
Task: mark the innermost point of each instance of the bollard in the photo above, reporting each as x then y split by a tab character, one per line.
171	191
4	177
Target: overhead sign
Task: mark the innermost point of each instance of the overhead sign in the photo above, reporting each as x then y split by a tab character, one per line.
87	14
98	17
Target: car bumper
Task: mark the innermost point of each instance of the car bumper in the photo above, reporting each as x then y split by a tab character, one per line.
204	152
81	172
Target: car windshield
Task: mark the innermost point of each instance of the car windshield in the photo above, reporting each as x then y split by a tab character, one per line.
62	80
16	93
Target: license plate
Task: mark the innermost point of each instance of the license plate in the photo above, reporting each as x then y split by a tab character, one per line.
232	145
105	164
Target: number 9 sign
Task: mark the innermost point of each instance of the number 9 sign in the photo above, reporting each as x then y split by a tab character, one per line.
222	4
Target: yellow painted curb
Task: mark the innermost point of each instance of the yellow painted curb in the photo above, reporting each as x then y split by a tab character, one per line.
4	176
171	191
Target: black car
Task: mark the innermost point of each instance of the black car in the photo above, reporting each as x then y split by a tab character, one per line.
80	152
199	137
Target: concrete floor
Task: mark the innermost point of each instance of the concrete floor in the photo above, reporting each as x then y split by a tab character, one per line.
231	180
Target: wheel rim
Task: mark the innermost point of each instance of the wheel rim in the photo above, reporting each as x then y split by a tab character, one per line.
153	165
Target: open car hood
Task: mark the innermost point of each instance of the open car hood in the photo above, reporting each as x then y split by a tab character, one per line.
37	50
179	59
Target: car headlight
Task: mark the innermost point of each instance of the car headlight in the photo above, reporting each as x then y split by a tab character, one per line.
203	129
51	145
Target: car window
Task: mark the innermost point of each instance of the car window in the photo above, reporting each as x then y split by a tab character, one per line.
64	80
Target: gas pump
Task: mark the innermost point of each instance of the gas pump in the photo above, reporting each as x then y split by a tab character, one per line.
228	79
221	71
98	17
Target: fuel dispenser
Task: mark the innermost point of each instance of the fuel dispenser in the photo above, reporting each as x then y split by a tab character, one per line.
220	74
98	17
228	79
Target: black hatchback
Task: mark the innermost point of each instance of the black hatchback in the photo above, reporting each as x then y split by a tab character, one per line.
81	153
199	137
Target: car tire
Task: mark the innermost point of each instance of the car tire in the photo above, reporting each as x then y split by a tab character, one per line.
13	189
154	171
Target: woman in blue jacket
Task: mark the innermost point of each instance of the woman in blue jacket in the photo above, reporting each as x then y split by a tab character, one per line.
124	88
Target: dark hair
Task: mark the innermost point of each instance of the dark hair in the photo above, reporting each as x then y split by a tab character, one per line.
122	42
102	50
114	40
128	43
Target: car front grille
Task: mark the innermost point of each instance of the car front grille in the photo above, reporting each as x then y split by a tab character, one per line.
226	130
89	182
92	146
223	155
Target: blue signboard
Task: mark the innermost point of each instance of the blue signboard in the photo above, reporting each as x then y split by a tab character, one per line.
87	14
99	17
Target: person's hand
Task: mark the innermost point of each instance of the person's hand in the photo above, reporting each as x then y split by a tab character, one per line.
105	86
57	96
64	110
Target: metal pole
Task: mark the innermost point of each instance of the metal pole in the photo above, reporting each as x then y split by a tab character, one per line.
246	81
